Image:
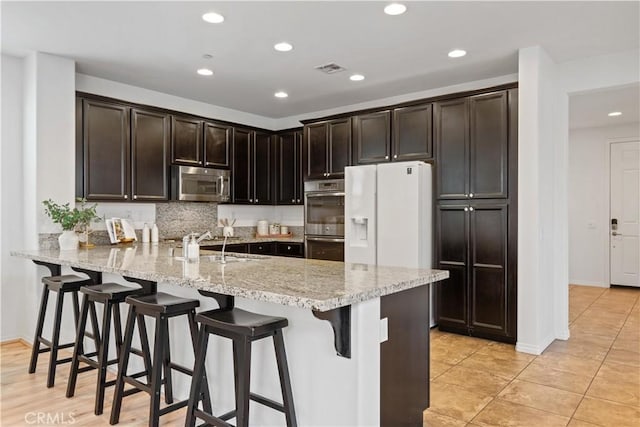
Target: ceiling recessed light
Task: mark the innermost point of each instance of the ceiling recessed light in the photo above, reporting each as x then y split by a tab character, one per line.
615	113
457	53
281	94
395	9
205	72
356	77
213	18
207	56
283	47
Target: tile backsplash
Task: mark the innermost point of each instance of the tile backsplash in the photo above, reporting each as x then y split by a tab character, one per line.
177	219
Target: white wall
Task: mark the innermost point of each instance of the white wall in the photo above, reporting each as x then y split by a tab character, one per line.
11	225
543	175
589	201
109	88
535	199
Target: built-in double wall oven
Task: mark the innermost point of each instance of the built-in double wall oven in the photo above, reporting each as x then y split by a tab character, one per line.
324	219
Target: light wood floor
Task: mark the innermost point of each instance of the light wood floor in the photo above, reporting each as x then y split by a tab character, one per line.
593	379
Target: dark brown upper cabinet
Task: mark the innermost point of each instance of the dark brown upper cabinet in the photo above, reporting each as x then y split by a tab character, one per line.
327	148
412	133
186	141
488	148
105	146
252	167
150	148
217	145
411	139
125	152
451	136
472	138
372	137
289	168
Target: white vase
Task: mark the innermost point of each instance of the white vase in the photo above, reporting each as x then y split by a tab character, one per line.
68	240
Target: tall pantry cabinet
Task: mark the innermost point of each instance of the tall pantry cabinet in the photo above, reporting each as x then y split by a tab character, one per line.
475	141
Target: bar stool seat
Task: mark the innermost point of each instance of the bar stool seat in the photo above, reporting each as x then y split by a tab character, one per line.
111	295
63	284
66	282
242	327
161	307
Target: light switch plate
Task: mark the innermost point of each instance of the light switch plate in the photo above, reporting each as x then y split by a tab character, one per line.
384	329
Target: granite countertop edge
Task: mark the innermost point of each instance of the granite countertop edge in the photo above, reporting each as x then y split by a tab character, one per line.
299	301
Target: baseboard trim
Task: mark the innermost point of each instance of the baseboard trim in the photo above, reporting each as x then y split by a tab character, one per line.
595	284
563	335
533	348
14	341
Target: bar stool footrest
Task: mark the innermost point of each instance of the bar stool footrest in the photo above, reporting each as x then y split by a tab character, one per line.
211	420
267	402
173	407
181	368
137	384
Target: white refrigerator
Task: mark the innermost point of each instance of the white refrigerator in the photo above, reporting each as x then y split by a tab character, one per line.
388	215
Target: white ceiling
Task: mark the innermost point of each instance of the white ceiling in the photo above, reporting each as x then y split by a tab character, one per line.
591	109
159	45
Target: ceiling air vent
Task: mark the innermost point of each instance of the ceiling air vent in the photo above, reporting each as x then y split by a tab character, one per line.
330	68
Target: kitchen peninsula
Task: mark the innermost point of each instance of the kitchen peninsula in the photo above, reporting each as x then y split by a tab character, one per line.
379	316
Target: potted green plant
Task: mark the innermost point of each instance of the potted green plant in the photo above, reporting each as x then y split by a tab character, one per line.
72	220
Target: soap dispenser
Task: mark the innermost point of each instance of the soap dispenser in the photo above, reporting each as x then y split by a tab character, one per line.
193	250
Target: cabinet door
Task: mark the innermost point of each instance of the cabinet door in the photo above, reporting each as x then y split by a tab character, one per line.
106	151
262	160
339	147
186	141
242	188
488	268
149	155
299	169
412	133
489	139
315	146
452	146
372	137
217	144
287	170
452	252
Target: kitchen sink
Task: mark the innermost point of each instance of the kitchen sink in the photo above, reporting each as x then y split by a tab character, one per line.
218	258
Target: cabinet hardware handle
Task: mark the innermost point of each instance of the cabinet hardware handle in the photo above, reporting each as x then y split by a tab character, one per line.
288	248
470	194
256	200
126	197
135	197
395	156
250	200
298	200
293	200
471	209
466	209
386	157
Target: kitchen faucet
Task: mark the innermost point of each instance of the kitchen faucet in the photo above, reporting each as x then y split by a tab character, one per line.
203	236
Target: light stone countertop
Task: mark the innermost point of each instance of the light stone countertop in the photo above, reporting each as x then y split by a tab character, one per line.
306	283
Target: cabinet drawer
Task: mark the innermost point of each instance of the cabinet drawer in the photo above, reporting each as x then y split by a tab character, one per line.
290	249
262	248
235	247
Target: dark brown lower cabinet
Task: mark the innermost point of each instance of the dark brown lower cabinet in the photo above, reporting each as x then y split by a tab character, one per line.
474	242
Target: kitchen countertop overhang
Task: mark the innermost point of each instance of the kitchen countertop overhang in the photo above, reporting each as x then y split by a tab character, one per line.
306	283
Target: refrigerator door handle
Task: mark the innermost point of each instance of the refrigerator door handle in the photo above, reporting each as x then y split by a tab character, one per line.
324	239
337	194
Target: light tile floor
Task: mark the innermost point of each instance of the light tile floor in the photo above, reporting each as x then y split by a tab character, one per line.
592	379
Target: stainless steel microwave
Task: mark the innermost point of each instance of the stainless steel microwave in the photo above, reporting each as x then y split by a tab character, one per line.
200	184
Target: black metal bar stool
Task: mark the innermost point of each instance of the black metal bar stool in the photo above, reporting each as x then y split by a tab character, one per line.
111	295
162	307
63	285
243	327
